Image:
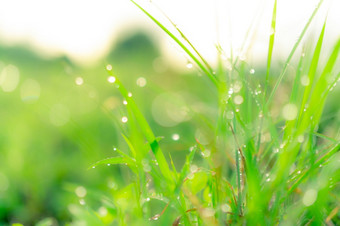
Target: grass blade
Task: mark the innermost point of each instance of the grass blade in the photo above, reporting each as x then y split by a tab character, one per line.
192	56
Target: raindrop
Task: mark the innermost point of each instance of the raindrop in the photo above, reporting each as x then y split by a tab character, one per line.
102	211
189	65
268	179
156	217
238	99
309	197
111	79
109	67
237	87
231	91
301	138
146	167
289	111
30	91
108	164
193	168
304	80
93	167
206	153
129	94
124	119
230	115
225	208
208	212
9	78
252	71
125	102
82	202
141	82
114	149
79	81
81	191
175	136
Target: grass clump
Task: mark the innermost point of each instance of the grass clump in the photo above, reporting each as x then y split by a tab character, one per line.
267	163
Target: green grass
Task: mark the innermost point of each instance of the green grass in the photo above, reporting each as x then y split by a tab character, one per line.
260	168
253	150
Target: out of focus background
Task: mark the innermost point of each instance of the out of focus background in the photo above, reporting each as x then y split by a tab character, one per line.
59	114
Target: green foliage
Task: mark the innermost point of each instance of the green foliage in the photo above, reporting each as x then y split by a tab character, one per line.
245	156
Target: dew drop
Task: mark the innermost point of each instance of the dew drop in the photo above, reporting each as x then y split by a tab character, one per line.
238	99
129	94
109	67
81	191
225	208
175	136
124	119
79	81
304	80
111	79
301	138
229	115
193	168
252	71
82	202
141	82
208	212
289	111
231	91
125	102
309	197
206	153
108	164
102	211
147	168
189	65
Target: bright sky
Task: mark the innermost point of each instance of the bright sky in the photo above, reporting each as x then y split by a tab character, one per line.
85	29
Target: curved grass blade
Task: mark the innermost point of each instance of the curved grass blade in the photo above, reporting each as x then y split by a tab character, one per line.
187	40
192	56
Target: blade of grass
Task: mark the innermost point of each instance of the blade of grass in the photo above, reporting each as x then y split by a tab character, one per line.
297	43
145	128
269	60
170	34
186	39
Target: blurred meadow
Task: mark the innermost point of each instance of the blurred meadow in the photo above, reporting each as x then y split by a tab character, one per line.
242	146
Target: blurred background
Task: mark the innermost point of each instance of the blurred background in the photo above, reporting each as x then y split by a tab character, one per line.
59	114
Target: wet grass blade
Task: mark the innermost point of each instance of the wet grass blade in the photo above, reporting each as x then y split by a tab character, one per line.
170	34
297	43
145	128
